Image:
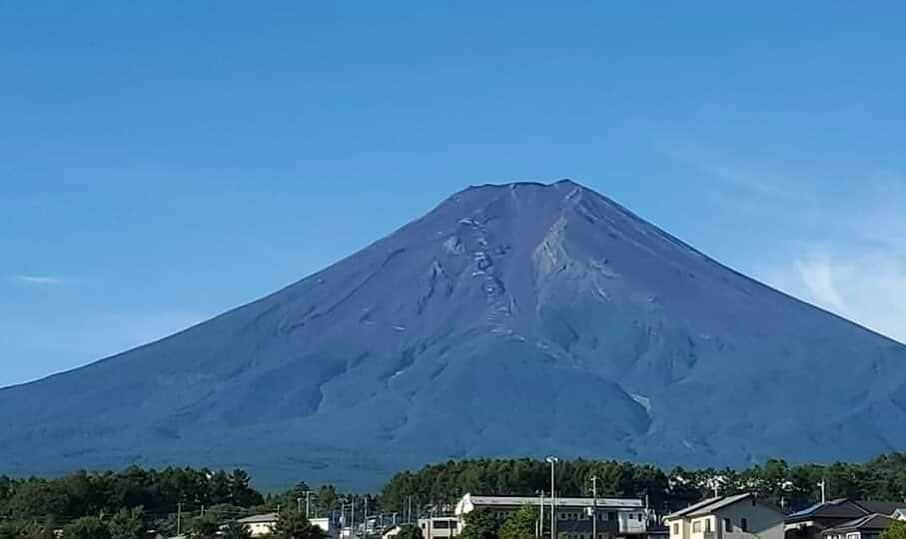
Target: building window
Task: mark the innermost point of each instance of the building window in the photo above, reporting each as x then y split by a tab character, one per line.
728	525
744	525
707	525
612	515
697	526
676	529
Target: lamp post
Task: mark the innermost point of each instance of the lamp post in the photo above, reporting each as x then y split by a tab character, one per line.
553	462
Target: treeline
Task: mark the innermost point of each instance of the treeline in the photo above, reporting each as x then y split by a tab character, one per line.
158	496
176	499
169	501
791	487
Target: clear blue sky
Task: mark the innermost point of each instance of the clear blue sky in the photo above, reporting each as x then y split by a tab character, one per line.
161	162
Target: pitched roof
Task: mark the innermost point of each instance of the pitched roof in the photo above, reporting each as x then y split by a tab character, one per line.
693	507
840	508
873	521
721	503
259	519
884	508
709	505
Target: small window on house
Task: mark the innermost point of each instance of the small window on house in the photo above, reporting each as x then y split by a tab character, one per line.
612	515
454	524
675	529
708	525
697	526
744	525
728	525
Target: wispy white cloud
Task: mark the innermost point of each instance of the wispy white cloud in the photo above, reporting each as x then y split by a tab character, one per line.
847	254
37	280
735	172
867	288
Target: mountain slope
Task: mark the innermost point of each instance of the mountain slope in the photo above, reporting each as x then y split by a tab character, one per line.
523	319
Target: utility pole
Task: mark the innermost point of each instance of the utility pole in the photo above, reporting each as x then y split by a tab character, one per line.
409	514
299	505
594	505
307	504
352	518
823	485
540	531
365	519
179	518
553	462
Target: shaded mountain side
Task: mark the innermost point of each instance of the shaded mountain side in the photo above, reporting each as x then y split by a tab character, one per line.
523	319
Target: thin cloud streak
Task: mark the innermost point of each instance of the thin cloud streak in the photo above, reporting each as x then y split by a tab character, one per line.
38	280
857	269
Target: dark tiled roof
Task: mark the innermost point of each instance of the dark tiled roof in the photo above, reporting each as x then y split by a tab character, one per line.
884	508
841	508
873	521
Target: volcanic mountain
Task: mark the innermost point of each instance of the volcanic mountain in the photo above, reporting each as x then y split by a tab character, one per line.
511	320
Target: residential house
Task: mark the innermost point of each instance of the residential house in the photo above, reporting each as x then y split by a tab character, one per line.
868	527
439	527
742	516
811	522
260	525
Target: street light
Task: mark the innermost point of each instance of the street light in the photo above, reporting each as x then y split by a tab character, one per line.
553	462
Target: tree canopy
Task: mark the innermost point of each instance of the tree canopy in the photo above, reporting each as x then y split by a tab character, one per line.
521	524
897	530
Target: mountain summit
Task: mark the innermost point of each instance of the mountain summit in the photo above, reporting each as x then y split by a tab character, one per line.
521	319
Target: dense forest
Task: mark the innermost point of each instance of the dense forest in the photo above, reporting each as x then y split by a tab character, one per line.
186	500
791	487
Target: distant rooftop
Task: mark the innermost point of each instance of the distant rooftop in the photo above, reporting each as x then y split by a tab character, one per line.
710	505
616	503
259	519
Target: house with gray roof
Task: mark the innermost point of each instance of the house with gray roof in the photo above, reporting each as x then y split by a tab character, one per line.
741	516
870	526
813	521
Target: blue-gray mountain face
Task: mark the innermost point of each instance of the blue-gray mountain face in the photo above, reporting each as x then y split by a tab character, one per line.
512	320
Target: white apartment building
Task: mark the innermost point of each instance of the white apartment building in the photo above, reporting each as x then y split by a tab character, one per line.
616	517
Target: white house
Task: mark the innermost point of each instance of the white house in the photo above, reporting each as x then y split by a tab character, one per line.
260	525
742	516
439	527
